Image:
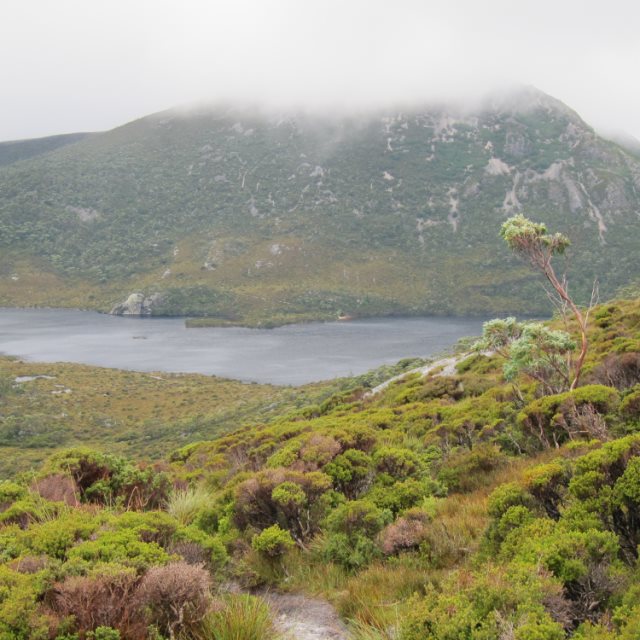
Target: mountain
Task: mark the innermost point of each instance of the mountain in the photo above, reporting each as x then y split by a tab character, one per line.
250	216
626	141
15	150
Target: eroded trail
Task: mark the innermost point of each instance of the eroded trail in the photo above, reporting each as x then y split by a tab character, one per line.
299	617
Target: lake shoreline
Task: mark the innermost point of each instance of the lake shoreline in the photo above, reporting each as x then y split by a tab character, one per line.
292	354
199	322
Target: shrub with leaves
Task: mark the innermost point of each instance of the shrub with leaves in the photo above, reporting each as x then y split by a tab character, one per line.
557	418
352	529
492	604
287	498
272	542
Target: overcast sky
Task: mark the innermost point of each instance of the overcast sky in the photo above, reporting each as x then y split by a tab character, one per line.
84	65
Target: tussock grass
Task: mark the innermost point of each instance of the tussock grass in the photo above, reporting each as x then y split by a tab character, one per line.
373	598
240	617
362	631
184	505
313	576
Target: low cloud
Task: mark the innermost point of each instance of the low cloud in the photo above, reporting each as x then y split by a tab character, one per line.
77	65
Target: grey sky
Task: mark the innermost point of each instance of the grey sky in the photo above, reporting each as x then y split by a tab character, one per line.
74	65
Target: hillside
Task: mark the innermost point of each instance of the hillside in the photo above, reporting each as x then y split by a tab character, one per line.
255	217
16	150
457	504
47	406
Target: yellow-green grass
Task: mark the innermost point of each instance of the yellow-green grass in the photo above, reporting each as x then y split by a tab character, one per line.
139	414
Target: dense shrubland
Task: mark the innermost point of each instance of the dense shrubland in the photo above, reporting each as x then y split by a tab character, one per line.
478	505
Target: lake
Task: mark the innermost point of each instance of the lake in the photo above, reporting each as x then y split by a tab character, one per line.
292	355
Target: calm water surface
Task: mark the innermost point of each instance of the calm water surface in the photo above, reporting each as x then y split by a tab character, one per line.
294	354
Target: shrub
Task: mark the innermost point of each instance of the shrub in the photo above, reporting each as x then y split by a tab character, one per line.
407	532
566	416
351	472
466	470
352	528
510	507
279	496
175	597
104	633
19	616
57	488
547	483
492	604
215	554
585	562
107	479
626	508
102	600
404	494
56	537
619	370
272	542
123	546
10	492
317	451
398	463
508	495
630	406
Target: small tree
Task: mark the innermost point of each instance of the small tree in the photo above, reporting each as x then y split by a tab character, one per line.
542	354
530	348
530	241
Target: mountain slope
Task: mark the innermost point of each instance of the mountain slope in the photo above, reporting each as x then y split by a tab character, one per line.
15	150
248	216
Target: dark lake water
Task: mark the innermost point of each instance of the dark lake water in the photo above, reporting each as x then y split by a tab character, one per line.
293	354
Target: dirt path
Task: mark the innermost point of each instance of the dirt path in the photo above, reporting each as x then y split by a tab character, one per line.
299	617
448	369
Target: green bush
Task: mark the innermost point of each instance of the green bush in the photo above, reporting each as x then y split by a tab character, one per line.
272	542
554	419
287	498
405	494
121	546
485	604
20	618
10	492
351	531
351	472
103	633
467	470
398	463
630	405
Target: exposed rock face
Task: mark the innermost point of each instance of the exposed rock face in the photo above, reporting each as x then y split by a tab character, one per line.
137	304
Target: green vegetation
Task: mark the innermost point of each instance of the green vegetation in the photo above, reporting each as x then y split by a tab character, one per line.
531	242
500	502
240	217
140	414
475	505
17	150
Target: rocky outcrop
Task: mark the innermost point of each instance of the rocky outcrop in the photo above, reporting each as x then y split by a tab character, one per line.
137	304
